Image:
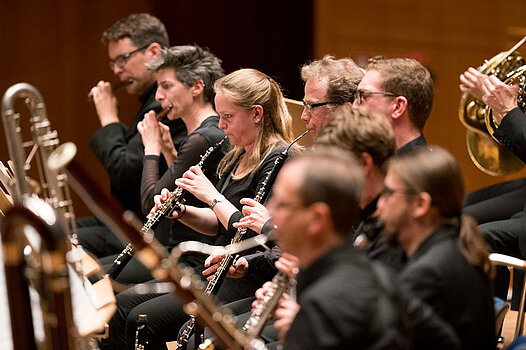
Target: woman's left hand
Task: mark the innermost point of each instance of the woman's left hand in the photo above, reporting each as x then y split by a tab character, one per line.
195	182
150	134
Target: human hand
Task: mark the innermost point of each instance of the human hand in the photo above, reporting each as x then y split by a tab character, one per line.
471	82
285	314
151	134
195	182
288	264
105	103
254	215
238	269
500	97
167	145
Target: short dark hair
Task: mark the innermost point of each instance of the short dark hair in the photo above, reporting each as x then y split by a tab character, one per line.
333	177
407	77
190	64
142	29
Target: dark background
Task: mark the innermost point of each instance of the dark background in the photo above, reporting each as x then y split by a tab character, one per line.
55	46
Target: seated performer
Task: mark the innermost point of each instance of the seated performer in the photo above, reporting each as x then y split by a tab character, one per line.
343	298
254	116
132	42
402	90
185	78
448	266
503	200
329	83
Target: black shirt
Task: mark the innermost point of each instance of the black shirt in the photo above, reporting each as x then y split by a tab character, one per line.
189	153
120	150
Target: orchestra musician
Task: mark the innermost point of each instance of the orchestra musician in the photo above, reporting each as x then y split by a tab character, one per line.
185	79
329	83
402	90
255	118
448	265
132	42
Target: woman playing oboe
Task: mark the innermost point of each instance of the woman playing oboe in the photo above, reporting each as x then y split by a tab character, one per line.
254	116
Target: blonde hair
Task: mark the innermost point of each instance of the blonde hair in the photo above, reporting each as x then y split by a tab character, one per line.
248	88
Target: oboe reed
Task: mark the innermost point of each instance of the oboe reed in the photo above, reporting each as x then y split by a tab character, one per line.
164	112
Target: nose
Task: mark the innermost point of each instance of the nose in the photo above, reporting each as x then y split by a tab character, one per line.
355	103
159	96
305	115
222	124
117	69
380	203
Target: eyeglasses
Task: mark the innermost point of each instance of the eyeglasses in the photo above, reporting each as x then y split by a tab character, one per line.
359	96
312	106
387	191
121	60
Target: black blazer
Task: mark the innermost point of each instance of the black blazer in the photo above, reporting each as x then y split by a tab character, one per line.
460	293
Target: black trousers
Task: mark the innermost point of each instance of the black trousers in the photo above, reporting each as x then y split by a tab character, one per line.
165	313
242	309
503	237
96	238
496	202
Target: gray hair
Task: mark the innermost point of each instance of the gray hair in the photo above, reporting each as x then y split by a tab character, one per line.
190	64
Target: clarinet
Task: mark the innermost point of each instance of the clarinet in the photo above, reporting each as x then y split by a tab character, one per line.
174	199
215	283
263	311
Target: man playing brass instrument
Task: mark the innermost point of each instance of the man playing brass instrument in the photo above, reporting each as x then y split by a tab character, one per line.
132	42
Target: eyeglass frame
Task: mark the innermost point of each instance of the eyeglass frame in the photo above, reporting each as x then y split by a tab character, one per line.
358	95
311	106
124	58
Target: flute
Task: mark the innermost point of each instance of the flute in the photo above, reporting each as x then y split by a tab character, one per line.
115	88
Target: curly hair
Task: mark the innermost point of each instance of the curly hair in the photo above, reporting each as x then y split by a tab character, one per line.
190	64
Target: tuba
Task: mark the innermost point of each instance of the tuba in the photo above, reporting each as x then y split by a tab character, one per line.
485	151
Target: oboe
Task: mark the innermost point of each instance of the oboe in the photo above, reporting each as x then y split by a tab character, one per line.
141	339
263	311
174	199
215	283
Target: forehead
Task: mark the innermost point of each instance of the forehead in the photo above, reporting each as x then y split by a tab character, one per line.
392	181
371	81
316	89
120	47
289	181
166	74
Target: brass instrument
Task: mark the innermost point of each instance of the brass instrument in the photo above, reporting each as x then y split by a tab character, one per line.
51	279
56	200
485	152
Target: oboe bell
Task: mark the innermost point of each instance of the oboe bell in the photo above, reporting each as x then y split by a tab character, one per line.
115	88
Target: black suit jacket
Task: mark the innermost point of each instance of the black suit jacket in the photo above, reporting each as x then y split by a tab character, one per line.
460	293
120	150
512	134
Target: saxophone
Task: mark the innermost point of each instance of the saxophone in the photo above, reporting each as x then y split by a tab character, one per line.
174	199
215	283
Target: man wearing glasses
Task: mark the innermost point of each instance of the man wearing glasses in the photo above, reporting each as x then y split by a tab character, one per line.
328	83
132	42
402	90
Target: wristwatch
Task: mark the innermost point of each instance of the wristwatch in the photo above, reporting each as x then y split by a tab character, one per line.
216	200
